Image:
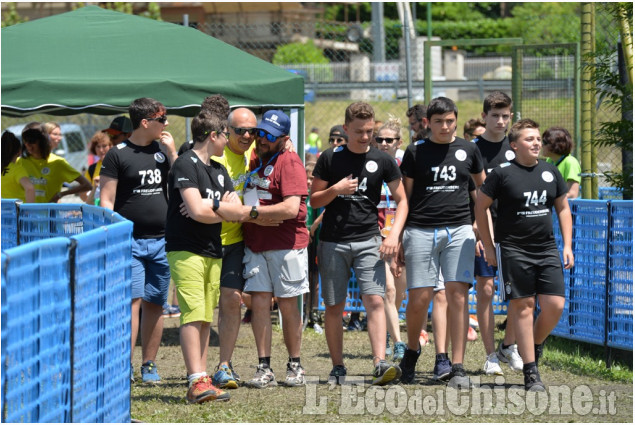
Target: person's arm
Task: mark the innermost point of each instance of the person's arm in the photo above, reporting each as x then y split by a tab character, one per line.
483	219
322	195
574	189
108	192
167	140
390	245
316	225
29	190
478	178
84	186
287	209
566	224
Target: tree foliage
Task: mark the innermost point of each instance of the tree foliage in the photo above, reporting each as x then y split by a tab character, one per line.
11	16
294	53
615	95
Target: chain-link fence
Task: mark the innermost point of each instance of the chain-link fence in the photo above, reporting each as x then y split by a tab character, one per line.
351	72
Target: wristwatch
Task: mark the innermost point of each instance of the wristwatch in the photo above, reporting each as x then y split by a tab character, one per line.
254	212
216	204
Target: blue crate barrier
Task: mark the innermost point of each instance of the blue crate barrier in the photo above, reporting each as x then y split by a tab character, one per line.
354	303
586	306
9	216
620	302
97	362
38	303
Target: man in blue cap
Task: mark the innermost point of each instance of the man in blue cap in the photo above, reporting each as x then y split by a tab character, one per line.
276	261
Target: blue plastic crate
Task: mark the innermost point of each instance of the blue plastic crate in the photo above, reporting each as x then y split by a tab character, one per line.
89	327
610	193
9	218
620	303
38	332
43	221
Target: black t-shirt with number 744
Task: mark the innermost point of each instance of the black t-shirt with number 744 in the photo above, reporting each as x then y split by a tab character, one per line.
526	196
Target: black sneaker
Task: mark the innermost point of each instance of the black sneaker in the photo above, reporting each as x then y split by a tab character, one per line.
442	367
538	352
408	364
532	380
458	378
337	375
384	373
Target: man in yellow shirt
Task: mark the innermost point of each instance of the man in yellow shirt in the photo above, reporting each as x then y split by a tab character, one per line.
242	128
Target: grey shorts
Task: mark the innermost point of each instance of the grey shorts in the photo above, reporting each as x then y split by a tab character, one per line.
335	261
282	272
231	275
430	252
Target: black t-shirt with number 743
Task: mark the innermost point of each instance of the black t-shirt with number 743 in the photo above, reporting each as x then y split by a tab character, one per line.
441	174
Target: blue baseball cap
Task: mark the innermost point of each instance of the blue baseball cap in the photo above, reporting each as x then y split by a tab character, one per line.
276	123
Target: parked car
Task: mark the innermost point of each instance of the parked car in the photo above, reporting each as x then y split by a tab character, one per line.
73	146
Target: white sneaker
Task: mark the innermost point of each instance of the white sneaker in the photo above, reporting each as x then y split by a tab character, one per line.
510	356
492	366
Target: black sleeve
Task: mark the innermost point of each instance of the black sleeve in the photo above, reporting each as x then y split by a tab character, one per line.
185	174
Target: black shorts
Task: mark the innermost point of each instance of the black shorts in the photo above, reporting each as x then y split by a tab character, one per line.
231	275
529	273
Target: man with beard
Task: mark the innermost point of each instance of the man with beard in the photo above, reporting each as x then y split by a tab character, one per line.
276	261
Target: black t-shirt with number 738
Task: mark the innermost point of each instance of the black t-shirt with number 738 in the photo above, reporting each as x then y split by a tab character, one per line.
142	177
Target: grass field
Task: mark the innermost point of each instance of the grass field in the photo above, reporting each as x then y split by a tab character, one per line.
581	389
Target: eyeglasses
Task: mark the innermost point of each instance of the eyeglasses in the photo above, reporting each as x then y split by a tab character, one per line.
162	119
337	140
242	130
225	133
388	140
270	137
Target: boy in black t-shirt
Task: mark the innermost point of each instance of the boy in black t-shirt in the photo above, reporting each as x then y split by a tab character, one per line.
347	181
495	149
438	237
193	243
134	176
527	256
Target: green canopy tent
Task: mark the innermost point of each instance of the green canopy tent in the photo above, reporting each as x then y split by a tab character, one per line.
97	61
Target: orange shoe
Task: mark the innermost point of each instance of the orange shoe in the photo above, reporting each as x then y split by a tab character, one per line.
423	339
202	390
471	334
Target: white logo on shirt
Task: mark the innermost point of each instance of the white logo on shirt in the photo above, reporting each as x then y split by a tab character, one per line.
547	176
268	169
194	160
159	157
418	142
371	166
338	149
221	180
509	155
460	155
121	145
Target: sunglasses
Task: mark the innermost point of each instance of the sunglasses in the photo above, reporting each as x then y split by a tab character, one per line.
270	137
162	119
388	140
337	140
241	130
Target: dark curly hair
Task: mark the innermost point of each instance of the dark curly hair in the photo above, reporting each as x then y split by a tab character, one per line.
558	139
